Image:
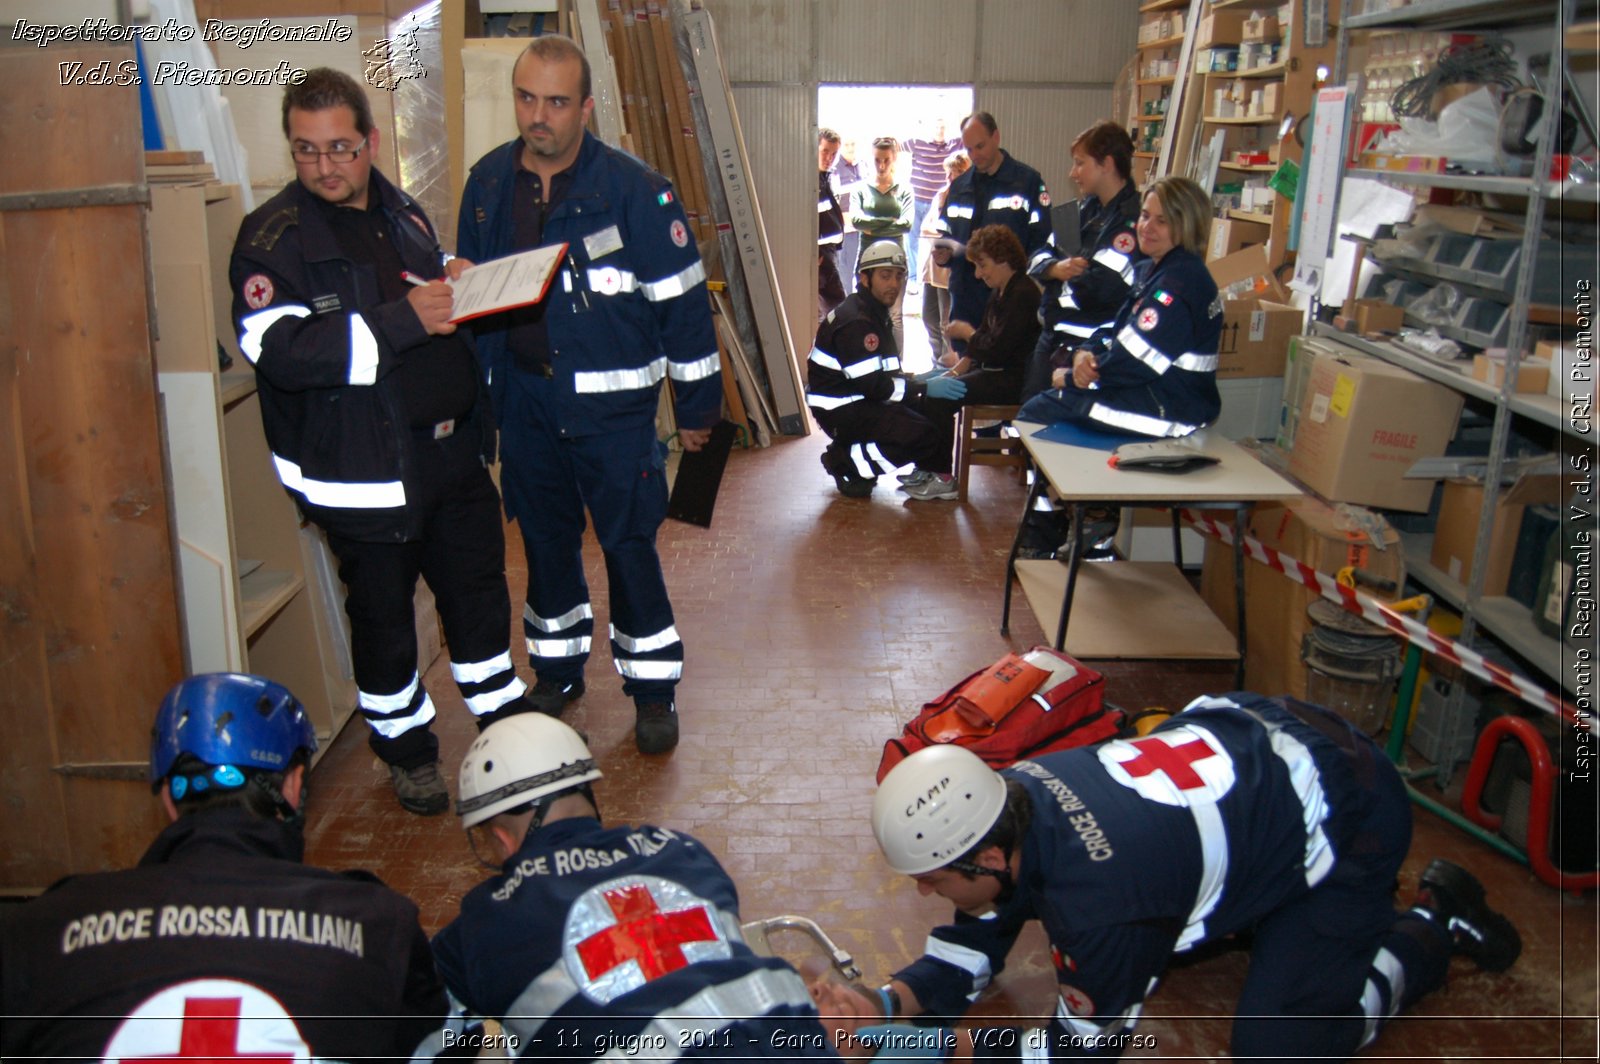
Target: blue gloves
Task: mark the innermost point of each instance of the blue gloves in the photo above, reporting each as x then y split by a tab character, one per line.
946	388
902	1041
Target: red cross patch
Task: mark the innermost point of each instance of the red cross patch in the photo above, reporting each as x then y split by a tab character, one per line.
1123	242
1044	198
1180	766
1077	1002
630	931
870	342
257	289
1148	318
209	1021
680	235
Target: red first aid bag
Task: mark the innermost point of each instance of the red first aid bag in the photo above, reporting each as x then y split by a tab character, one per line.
1021	706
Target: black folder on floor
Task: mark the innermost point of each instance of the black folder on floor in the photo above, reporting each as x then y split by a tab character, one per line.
694	492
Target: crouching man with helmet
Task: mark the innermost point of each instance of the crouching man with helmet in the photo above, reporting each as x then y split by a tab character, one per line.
1241	814
221	943
853	382
592	940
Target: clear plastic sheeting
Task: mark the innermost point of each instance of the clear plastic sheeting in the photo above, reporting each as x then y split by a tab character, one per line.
194	117
414	74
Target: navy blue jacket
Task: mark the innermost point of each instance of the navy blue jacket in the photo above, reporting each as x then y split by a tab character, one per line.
324	344
629	305
595	937
1141	848
221	923
1013	196
1073	311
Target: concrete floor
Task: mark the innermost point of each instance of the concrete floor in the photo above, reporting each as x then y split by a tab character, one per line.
815	626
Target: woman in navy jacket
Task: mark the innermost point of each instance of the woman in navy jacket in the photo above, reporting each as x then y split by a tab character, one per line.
1153	371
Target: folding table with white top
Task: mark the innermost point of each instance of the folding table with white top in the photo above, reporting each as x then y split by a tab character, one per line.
1131	609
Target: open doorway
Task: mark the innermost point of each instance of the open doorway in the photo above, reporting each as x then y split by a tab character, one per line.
925	120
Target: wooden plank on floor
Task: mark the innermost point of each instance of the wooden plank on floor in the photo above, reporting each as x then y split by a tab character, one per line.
1126	610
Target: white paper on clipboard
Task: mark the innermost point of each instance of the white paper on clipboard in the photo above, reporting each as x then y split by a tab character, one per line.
503	284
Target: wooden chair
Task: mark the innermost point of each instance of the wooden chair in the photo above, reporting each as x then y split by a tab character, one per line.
974	450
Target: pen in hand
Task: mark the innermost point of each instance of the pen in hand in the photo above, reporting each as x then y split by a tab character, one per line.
411	278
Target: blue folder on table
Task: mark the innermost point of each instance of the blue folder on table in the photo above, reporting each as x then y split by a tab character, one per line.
1075	435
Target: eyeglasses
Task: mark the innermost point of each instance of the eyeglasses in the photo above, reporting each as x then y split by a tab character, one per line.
337	155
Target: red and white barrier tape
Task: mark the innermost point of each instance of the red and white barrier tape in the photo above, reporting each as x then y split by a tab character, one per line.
1378	613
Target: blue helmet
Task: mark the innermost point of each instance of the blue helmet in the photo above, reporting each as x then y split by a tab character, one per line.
232	722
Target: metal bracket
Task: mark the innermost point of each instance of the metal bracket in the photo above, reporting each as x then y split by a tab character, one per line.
67	198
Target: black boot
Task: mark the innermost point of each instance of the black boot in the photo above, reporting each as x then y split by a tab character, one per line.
1453	897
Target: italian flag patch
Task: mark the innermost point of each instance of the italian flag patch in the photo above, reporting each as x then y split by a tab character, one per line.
1163	297
665	197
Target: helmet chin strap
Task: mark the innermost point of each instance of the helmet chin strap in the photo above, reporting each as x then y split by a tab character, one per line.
295	818
1008	885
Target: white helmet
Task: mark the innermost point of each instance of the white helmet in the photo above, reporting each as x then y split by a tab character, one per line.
934	806
518	760
882	253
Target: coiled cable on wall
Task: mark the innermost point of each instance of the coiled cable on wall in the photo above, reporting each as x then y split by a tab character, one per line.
1485	62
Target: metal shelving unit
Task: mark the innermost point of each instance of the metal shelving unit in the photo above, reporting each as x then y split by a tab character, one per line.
1504	619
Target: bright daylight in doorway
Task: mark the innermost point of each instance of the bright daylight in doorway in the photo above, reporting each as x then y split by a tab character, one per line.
924	114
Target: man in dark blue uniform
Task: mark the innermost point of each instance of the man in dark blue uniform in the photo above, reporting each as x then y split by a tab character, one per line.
379	428
830	225
854	387
592	938
221	944
576	379
1240	814
997	190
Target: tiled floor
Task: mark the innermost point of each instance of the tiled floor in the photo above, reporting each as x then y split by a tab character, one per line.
815	625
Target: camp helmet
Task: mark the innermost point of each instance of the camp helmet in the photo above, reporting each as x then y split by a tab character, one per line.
882	253
228	718
935	806
519	760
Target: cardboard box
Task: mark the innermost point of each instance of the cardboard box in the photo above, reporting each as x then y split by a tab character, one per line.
1373	316
1533	374
1571	375
1260	28
1302	355
1234	234
1363	423
1257	321
1408	164
1460	508
1272	97
1220	28
1312	531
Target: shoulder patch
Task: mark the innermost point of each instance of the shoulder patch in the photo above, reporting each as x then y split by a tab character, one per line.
1163	297
1044	198
665	198
680	233
271	230
257	291
870	341
1124	242
1148	319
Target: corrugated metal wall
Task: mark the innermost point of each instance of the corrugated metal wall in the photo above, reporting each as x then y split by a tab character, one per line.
1044	68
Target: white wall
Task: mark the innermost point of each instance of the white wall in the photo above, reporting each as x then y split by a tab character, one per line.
1044	68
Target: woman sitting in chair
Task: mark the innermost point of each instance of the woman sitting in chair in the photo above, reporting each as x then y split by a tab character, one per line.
997	354
1153	371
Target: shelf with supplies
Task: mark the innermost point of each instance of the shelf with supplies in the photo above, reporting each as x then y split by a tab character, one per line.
1544	409
1508	620
1256	76
249	599
1501	277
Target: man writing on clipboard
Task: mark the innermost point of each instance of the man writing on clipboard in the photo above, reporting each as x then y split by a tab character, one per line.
377	424
576	379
